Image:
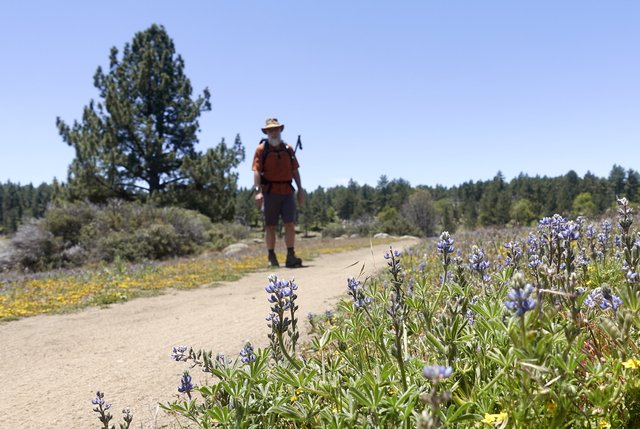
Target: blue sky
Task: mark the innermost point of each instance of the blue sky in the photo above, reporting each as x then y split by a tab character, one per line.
433	92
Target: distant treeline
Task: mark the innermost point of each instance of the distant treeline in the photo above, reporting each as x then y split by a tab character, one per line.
401	207
430	209
20	202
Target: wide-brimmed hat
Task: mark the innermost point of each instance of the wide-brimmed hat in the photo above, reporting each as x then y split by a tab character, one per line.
272	123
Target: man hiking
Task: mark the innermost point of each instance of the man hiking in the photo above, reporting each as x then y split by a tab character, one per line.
274	167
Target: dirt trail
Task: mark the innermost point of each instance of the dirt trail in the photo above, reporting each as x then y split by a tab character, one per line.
51	366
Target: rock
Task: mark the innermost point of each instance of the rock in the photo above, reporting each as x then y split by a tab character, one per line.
235	248
409	237
5	249
354	236
381	235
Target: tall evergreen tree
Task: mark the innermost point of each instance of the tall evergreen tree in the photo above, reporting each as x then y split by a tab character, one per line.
616	181
632	185
495	203
420	211
135	141
212	186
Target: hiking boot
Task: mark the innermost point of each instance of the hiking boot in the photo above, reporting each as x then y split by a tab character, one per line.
293	261
273	260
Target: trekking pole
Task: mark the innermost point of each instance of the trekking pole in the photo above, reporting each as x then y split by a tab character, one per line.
298	145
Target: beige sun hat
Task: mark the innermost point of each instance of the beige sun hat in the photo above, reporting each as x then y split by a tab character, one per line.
272	123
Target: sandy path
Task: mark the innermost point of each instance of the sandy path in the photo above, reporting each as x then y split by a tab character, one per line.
51	366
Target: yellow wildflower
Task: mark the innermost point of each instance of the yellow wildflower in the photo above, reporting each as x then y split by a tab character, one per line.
294	398
631	363
494	419
552	406
604	424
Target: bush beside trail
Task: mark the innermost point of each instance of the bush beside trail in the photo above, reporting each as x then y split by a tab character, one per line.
74	234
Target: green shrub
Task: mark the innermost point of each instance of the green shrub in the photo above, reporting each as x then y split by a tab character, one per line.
75	233
34	247
224	234
393	223
67	220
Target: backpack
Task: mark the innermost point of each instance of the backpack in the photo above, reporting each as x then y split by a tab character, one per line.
265	152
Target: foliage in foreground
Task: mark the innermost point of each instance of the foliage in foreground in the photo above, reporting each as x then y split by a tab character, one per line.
540	331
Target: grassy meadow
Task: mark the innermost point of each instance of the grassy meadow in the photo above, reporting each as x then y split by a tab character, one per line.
494	328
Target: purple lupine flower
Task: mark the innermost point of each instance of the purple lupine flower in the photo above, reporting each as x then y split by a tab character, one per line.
102	408
617	241
469	316
533	243
514	253
569	231
603	298
477	260
519	298
281	293
178	353
421	266
278	324
625	214
602	240
534	261
185	384
445	245
246	354
221	359
99	400
410	284
582	260
392	254
272	317
437	373
558	228
357	293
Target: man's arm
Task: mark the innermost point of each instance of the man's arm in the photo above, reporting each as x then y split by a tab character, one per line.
300	193
256	181
256	187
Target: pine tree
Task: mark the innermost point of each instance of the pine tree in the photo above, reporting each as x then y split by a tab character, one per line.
617	181
134	142
632	185
212	186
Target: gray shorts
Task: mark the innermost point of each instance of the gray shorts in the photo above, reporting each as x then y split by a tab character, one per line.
276	205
